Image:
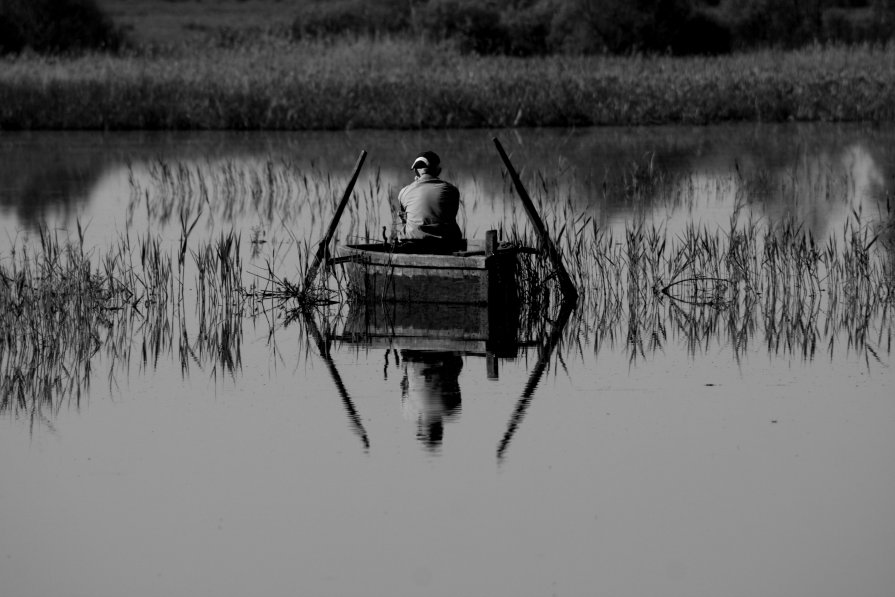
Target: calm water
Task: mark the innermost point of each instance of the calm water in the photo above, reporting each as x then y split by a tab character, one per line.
273	457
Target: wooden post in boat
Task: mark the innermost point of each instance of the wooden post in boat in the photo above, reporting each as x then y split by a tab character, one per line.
565	282
492	370
490	242
322	248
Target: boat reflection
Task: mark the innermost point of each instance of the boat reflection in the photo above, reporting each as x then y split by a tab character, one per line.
482	330
430	348
430	344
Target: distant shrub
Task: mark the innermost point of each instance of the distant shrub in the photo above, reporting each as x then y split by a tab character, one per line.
702	34
664	24
526	29
781	24
624	26
56	26
572	30
475	25
539	27
793	24
839	27
860	26
321	19
883	20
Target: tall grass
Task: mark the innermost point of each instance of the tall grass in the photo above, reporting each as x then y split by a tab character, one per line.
390	83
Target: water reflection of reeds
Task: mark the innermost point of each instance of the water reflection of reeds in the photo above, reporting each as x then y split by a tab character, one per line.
734	286
62	308
54	310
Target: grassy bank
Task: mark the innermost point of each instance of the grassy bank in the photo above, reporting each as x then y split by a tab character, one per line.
277	84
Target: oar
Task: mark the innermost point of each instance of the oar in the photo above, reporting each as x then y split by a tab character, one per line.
321	250
569	291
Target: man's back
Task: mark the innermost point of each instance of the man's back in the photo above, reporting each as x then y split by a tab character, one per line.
430	205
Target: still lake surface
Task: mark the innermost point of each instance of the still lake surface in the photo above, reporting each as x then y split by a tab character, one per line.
279	460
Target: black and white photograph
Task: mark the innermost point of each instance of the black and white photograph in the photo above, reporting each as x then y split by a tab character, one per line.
447	298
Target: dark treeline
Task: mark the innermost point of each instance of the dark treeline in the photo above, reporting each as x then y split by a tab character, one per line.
537	27
56	26
511	27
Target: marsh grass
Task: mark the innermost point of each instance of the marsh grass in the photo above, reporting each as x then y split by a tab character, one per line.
406	84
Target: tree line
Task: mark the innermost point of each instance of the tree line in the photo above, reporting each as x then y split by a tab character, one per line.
511	27
538	27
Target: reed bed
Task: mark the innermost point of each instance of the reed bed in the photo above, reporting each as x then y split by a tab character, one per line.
64	306
149	296
184	289
405	84
714	287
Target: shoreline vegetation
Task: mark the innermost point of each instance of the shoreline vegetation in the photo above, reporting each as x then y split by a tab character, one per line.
426	64
392	83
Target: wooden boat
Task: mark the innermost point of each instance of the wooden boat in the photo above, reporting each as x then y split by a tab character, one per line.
481	274
377	272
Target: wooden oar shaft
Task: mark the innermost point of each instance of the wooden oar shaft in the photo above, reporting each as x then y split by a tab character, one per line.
321	249
569	291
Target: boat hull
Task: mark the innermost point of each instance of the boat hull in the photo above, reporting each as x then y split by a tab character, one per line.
468	329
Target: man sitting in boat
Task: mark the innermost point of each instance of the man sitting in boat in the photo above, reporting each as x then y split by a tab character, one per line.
429	208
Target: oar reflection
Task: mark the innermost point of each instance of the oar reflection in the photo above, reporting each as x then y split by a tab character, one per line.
545	352
323	348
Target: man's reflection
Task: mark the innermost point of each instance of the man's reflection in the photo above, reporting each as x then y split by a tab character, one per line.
430	392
